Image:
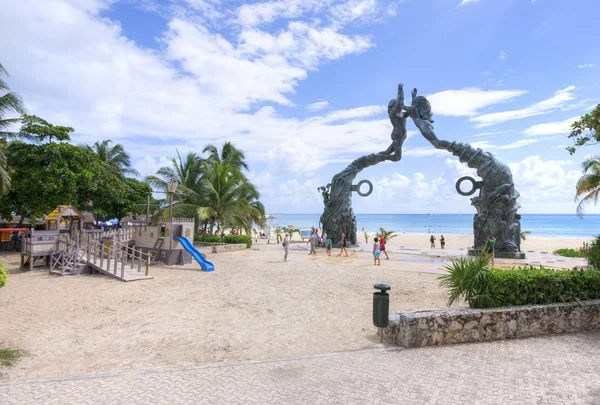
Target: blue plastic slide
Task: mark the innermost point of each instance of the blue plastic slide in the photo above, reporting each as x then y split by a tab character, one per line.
204	264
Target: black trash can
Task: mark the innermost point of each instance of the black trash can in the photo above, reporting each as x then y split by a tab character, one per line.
381	305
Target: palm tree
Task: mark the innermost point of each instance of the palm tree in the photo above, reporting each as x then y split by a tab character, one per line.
524	233
10	103
190	192
229	154
231	199
588	186
386	234
113	155
291	231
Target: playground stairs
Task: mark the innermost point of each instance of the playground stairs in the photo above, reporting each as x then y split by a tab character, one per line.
110	258
156	249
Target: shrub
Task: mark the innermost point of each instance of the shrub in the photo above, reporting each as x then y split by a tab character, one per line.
208	238
482	287
568	252
238	239
3	276
592	253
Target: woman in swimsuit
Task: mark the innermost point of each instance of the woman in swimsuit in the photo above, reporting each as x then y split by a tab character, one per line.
343	242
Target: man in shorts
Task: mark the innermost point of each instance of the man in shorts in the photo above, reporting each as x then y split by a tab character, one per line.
313	243
382	247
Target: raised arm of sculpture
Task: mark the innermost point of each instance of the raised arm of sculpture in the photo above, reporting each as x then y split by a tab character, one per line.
420	112
398	120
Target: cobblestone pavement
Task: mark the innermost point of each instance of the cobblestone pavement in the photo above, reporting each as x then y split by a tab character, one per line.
550	370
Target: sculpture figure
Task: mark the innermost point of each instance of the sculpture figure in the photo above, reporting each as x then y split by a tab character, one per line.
496	204
398	119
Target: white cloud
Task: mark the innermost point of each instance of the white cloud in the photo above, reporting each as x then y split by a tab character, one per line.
551	128
502	56
148	165
489	133
319	105
468	102
586	65
360	112
541	181
560	98
467	2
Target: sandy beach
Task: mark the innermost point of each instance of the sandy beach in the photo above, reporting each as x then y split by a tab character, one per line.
254	306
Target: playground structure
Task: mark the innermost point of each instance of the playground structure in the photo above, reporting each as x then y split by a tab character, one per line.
124	253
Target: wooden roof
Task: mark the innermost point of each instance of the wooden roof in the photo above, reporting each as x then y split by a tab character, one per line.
64	211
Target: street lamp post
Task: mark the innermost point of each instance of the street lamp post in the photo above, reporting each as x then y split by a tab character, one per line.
171	188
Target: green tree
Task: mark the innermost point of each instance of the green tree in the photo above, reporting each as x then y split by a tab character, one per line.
45	176
41	130
10	103
524	235
386	234
129	198
588	186
291	231
229	154
113	155
586	131
231	199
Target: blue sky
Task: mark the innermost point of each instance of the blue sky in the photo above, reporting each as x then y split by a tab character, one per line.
302	86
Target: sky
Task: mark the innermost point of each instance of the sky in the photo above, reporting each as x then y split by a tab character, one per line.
302	87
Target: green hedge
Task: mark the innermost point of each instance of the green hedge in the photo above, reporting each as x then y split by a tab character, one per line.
208	238
527	286
568	252
470	279
238	239
3	276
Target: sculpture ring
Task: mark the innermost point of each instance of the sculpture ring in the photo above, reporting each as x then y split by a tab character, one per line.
476	185
356	187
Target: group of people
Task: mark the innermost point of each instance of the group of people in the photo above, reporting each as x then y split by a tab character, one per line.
316	240
432	240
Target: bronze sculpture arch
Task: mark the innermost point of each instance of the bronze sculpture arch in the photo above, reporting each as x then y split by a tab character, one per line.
496	204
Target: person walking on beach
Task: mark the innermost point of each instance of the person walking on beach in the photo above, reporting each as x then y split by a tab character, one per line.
490	247
382	247
313	243
376	253
432	241
324	238
344	243
442	241
286	246
329	244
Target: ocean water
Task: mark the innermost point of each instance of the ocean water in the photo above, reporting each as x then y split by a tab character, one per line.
538	224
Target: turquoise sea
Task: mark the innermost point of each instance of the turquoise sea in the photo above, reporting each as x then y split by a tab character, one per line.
538	224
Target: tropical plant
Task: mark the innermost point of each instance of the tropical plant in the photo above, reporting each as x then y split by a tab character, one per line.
386	234
524	235
235	239
366	237
291	231
36	128
466	279
231	200
592	253
113	155
10	103
278	234
586	131
229	154
588	186
3	276
568	252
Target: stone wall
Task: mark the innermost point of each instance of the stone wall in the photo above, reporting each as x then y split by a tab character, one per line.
222	247
463	325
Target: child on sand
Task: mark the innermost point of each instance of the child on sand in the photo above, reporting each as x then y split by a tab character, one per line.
490	247
376	253
432	241
329	244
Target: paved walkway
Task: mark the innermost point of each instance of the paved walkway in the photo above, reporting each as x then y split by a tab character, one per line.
551	370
